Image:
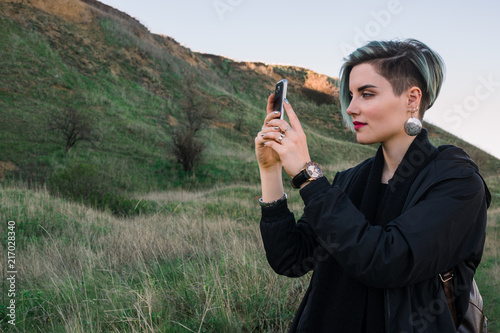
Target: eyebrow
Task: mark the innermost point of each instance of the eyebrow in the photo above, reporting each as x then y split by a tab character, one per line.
366	86
360	89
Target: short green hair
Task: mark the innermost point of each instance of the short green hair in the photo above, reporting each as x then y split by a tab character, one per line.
404	64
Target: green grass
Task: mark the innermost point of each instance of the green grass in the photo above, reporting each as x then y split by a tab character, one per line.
131	83
115	236
197	265
487	276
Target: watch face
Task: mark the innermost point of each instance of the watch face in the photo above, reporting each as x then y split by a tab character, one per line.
314	171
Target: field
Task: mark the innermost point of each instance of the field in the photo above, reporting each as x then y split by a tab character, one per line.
113	235
197	265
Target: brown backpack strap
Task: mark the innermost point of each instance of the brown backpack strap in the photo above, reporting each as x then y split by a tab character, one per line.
447	279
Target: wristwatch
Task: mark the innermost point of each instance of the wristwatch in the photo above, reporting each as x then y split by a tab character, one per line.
311	171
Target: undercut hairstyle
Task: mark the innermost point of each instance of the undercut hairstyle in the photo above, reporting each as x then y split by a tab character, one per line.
404	64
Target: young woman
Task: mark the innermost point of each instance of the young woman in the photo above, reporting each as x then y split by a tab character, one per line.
381	234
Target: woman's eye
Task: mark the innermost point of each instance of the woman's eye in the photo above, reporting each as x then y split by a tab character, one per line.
367	95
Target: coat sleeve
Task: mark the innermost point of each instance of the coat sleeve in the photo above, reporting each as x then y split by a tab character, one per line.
291	247
445	227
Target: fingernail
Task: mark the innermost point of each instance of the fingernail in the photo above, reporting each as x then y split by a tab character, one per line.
262	135
276	112
267	123
286	101
276	128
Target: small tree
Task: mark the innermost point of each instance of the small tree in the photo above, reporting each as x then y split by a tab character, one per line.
74	124
187	147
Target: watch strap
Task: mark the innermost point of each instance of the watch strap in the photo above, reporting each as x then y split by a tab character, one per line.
299	178
304	176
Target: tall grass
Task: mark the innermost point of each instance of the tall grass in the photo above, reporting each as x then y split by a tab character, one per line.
196	266
488	274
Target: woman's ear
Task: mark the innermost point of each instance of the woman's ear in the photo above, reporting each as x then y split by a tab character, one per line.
414	95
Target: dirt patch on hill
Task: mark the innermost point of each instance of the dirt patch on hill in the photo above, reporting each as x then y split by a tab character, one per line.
320	83
71	10
5	167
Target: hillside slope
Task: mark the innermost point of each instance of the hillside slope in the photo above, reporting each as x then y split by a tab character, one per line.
167	250
84	55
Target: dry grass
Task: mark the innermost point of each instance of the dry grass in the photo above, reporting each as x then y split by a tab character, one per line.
134	240
197	268
185	195
320	82
492	246
5	167
72	10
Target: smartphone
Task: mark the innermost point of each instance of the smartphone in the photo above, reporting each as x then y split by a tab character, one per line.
279	96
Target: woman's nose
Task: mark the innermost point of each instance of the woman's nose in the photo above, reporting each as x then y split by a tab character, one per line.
352	109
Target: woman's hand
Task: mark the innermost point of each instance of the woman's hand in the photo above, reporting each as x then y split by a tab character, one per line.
268	159
279	142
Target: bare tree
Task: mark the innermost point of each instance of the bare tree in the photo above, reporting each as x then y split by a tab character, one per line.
187	147
74	124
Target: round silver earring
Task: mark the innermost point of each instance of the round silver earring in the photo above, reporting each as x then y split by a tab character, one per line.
413	126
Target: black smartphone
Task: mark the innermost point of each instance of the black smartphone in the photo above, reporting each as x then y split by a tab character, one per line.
279	96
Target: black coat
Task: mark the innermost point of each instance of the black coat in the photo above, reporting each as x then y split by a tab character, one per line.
442	227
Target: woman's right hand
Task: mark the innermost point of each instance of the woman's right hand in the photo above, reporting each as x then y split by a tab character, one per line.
267	158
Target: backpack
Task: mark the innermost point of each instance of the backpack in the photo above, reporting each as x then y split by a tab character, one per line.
474	320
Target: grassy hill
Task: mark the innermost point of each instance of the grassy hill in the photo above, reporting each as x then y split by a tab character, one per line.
114	235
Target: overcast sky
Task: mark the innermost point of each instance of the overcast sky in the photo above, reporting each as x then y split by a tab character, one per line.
317	34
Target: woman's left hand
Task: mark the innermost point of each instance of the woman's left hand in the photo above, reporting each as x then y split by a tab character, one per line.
292	147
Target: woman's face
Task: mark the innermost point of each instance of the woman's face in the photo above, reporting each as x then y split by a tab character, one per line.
378	115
